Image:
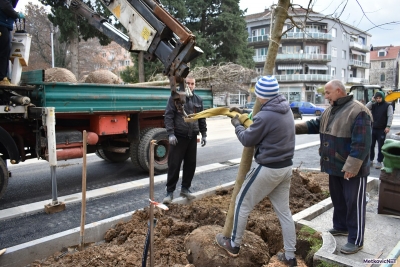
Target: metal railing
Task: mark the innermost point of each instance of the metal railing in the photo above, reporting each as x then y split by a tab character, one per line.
304	77
303	57
307	35
260	38
357	80
359	63
359	46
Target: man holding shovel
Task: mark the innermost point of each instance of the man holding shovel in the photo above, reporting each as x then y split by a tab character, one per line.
273	135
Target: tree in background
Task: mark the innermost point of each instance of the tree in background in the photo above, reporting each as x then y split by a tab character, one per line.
73	27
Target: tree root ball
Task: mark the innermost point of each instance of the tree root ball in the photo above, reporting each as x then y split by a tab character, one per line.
59	75
103	77
202	249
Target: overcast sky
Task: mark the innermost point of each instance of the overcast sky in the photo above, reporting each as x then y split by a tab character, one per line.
376	13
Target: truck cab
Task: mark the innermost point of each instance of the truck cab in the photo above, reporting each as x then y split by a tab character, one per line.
364	93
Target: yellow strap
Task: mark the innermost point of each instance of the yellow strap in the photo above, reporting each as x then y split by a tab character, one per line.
244	118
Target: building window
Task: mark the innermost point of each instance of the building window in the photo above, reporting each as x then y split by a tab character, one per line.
334	32
127	62
333	71
291	49
383	65
344	54
313	50
343	36
334	52
104	54
381	54
260	70
382	77
343	73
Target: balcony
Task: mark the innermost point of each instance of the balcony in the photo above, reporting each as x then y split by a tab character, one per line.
297	57
357	80
359	64
358	46
307	35
304	78
261	38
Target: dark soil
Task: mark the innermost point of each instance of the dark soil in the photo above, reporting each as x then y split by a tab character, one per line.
124	243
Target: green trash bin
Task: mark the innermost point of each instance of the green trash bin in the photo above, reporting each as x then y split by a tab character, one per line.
391	153
389	188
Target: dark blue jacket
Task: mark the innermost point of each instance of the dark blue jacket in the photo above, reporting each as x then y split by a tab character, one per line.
7	13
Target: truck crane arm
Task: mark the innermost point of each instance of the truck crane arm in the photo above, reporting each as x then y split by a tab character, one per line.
150	28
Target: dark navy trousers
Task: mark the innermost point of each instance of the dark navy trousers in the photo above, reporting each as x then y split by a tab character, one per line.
378	136
349	206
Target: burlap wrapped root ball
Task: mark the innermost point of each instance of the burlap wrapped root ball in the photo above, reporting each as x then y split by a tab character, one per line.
103	76
59	75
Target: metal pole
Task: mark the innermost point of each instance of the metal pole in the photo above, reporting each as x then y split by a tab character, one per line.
151	175
52	47
51	139
83	210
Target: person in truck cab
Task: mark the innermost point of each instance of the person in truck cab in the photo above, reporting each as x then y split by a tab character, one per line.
7	17
382	113
183	142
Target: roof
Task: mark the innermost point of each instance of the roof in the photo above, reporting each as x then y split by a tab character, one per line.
392	53
267	12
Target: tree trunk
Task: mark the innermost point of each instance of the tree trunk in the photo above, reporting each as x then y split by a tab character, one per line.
247	155
74	55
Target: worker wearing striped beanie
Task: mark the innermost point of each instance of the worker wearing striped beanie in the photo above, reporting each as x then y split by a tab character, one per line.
267	87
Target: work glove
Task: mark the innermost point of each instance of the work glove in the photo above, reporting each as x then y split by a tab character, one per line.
238	110
235	121
172	139
203	140
21	15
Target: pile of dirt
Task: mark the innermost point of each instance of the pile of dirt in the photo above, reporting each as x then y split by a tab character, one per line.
103	77
59	75
124	243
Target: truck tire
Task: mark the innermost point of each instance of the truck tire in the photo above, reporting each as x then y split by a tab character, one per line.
160	151
113	156
317	113
134	149
3	177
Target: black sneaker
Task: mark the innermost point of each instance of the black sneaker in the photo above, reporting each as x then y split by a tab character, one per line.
187	193
335	232
350	248
225	243
282	257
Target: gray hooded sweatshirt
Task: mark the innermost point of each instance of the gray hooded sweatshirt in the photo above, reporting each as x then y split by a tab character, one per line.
272	133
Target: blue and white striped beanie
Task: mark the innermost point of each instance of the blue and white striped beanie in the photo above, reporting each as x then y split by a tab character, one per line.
267	87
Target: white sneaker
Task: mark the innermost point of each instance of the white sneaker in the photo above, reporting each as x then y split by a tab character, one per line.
378	165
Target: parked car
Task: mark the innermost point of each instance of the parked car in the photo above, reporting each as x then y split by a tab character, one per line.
307	108
248	107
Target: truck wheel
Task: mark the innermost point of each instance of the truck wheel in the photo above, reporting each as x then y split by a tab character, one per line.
317	113
3	177
134	149
114	156
99	154
160	151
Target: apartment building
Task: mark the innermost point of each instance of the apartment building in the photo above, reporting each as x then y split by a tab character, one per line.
385	67
308	57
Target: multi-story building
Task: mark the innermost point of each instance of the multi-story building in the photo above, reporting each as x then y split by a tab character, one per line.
385	67
308	57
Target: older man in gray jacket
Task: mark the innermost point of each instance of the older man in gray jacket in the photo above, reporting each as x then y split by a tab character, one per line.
273	135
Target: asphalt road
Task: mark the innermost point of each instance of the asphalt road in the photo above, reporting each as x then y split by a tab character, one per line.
31	183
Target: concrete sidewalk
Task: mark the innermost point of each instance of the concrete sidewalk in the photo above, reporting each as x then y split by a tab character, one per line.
382	233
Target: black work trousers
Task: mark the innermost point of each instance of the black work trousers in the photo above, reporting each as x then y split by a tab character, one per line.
378	135
186	151
5	51
349	206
